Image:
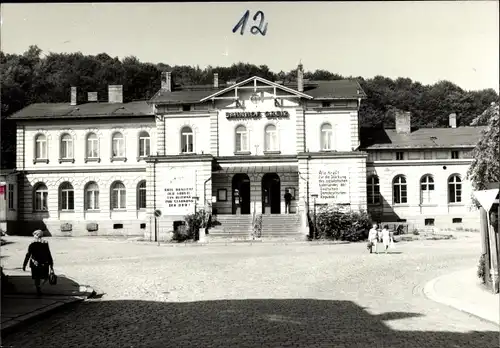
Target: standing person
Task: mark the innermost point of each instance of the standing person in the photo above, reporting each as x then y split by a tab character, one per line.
386	237
288	200
40	259
373	238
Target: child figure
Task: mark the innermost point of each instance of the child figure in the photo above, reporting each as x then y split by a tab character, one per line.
386	237
373	238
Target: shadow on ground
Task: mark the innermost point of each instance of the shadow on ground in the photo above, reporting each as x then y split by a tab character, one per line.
233	323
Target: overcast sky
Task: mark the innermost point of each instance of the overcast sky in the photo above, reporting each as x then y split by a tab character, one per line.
425	41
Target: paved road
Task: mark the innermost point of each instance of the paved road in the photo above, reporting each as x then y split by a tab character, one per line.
255	296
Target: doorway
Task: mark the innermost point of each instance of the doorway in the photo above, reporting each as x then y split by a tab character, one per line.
271	193
241	193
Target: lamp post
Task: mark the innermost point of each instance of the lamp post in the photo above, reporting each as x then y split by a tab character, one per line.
314	196
196	231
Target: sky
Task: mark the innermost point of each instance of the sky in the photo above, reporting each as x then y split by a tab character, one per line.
426	41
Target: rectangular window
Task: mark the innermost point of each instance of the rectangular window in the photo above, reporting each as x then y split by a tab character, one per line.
187	142
241	142
67	200
271	141
457	220
142	199
41	149
67	148
118	147
144	147
427	155
41	198
326	104
454	154
92	200
11	196
92	148
429	222
399	155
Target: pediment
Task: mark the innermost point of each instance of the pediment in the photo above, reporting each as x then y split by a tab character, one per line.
256	86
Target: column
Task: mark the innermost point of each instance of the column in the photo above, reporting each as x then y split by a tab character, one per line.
160	135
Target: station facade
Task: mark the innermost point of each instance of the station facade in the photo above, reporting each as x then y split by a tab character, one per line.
232	149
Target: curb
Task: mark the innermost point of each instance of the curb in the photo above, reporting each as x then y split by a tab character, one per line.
13	324
430	292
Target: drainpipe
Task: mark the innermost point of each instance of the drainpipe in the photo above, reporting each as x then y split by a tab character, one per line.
154	199
205	190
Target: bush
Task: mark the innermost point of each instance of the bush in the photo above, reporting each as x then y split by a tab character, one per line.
481	268
194	223
415	232
351	226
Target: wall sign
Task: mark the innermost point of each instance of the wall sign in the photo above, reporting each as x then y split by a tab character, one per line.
334	185
178	191
257	114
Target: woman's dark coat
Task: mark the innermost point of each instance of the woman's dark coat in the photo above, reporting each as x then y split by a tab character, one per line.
40	259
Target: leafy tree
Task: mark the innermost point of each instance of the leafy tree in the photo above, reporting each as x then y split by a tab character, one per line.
485	167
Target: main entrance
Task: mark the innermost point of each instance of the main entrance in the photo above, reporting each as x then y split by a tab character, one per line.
271	193
241	194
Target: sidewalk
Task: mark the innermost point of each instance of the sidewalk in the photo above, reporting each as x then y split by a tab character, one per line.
462	290
20	305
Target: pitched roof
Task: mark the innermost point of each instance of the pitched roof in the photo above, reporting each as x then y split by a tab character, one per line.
379	138
87	110
335	89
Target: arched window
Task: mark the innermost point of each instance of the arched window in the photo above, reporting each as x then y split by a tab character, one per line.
118	196
91	196
399	188
92	146
187	140
66	196
454	189
141	195
41	146
144	144
66	146
271	138
373	189
426	189
118	146
40	198
326	137
241	139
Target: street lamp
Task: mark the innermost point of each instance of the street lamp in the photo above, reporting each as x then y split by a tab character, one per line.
314	196
196	231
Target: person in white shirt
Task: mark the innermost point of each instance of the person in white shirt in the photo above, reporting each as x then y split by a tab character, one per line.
386	237
373	238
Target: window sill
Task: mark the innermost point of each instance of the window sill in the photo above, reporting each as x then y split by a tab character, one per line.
459	204
66	211
374	204
400	205
142	158
118	210
41	160
328	150
66	160
12	209
93	211
273	152
92	159
428	205
118	159
187	153
40	211
242	153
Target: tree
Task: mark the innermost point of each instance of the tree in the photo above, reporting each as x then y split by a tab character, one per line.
485	167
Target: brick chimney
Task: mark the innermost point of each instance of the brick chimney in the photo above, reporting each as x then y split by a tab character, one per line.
166	81
115	94
453	120
300	78
92	96
403	122
73	95
216	80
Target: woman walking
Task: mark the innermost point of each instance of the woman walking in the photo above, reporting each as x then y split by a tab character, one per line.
373	238
40	259
386	237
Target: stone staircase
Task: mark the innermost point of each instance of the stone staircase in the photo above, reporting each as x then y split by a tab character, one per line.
239	228
286	226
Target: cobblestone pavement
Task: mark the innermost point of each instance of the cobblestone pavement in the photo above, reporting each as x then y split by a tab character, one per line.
296	295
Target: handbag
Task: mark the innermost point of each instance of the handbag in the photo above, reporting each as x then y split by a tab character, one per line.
52	278
391	244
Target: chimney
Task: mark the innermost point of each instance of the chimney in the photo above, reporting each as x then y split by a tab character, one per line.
73	95
403	122
453	120
92	96
216	80
300	78
115	94
166	81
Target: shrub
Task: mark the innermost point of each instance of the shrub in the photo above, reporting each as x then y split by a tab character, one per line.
415	232
182	233
481	268
350	226
194	222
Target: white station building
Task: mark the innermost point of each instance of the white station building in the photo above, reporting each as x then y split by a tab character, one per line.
234	149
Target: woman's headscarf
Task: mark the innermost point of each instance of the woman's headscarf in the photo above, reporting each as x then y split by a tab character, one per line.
38	234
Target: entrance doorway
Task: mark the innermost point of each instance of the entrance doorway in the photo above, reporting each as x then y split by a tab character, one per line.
241	193
271	193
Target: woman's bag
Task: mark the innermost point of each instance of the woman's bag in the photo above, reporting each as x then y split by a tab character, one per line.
52	277
391	244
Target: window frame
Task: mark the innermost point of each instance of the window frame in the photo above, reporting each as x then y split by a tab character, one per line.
118	199
141	190
243	139
118	138
66	145
40	139
89	188
65	199
144	143
88	147
324	133
185	137
373	190
427	189
268	135
11	197
402	155
42	190
452	198
398	187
